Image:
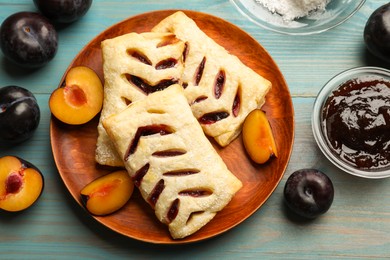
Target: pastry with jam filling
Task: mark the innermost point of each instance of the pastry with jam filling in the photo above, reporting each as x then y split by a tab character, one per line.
134	66
171	161
221	89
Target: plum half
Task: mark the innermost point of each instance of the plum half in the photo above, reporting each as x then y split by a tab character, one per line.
258	138
21	184
108	193
79	99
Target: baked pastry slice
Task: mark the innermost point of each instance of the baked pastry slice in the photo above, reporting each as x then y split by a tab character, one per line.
171	161
134	66
222	90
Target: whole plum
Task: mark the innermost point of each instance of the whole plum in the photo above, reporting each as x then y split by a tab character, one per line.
309	193
19	114
377	33
28	39
63	11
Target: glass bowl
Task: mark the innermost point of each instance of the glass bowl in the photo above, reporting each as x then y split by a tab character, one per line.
319	129
337	12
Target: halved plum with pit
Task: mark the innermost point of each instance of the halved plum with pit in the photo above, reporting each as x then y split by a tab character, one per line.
21	184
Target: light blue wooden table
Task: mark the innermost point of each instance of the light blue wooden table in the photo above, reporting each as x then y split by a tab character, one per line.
357	225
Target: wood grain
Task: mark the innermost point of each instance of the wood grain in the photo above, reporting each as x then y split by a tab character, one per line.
74	146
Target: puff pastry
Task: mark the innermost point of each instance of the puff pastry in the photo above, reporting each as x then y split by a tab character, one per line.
172	162
135	65
222	90
219	87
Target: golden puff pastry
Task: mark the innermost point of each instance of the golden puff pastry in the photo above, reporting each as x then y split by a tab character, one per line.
135	65
222	90
175	167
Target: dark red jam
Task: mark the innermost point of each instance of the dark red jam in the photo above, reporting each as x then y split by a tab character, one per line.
356	119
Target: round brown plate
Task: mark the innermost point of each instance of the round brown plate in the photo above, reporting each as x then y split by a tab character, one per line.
74	146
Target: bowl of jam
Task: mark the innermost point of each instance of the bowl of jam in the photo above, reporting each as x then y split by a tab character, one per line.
351	121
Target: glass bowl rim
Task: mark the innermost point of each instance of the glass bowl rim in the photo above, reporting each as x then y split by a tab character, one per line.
292	31
318	133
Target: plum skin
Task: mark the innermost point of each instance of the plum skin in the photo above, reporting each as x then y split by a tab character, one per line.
63	11
28	39
19	114
377	33
309	193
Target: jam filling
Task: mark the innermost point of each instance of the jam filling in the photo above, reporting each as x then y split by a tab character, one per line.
356	119
169	153
181	172
196	192
146	131
139	56
173	210
186	51
146	88
157	190
213	117
200	99
139	175
219	84
126	101
166	64
199	71
236	105
168	40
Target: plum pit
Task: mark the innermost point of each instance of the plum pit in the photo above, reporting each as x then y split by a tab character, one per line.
14	183
75	95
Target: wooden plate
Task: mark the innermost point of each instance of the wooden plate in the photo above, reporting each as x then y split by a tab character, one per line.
74	146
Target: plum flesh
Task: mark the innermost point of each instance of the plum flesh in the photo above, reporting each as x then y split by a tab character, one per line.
21	184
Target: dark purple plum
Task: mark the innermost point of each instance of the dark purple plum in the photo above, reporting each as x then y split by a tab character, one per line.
28	39
377	33
19	114
309	193
63	11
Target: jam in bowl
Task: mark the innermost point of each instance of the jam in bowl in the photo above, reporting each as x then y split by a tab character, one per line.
351	121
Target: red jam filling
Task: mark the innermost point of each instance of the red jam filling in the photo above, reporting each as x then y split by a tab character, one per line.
236	105
139	175
146	88
139	56
173	210
146	131
211	118
169	153
219	84
166	64
181	172
157	190
196	192
199	71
